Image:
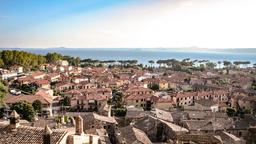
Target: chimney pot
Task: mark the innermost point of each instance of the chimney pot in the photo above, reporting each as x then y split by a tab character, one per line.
14	120
47	135
79	125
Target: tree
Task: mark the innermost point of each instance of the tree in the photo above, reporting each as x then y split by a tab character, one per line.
227	65
219	63
154	87
118	108
3	92
37	105
53	57
254	65
231	112
24	109
237	63
21	58
159	62
72	60
253	86
2	111
119	112
117	99
151	62
210	65
66	101
1	63
246	63
29	88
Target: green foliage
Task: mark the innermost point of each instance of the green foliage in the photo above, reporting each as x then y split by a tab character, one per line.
248	111
2	111
58	119
119	112
28	88
37	105
21	58
159	132
10	58
117	99
231	111
3	92
211	65
253	86
154	87
66	118
66	101
72	60
238	63
1	63
227	63
53	57
24	109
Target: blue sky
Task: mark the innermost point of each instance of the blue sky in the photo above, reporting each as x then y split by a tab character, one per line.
127	23
17	14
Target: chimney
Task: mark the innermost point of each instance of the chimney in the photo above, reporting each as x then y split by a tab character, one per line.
14	120
90	139
79	125
47	135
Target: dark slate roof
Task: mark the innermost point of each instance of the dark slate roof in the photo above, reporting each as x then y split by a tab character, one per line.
205	114
244	123
200	139
208	125
134	135
206	103
28	135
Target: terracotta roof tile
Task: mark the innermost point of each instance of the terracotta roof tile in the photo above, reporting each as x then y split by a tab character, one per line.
28	135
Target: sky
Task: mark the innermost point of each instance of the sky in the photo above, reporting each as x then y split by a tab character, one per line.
127	23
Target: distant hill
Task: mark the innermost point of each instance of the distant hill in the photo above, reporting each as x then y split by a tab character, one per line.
238	50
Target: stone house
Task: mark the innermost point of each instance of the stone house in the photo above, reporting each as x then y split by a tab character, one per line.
164	103
139	100
89	102
247	102
207	105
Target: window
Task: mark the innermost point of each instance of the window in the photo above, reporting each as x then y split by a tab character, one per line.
92	126
137	101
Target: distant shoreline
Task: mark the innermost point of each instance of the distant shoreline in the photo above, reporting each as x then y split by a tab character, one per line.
143	55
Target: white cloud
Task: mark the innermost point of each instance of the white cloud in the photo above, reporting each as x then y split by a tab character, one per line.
161	23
